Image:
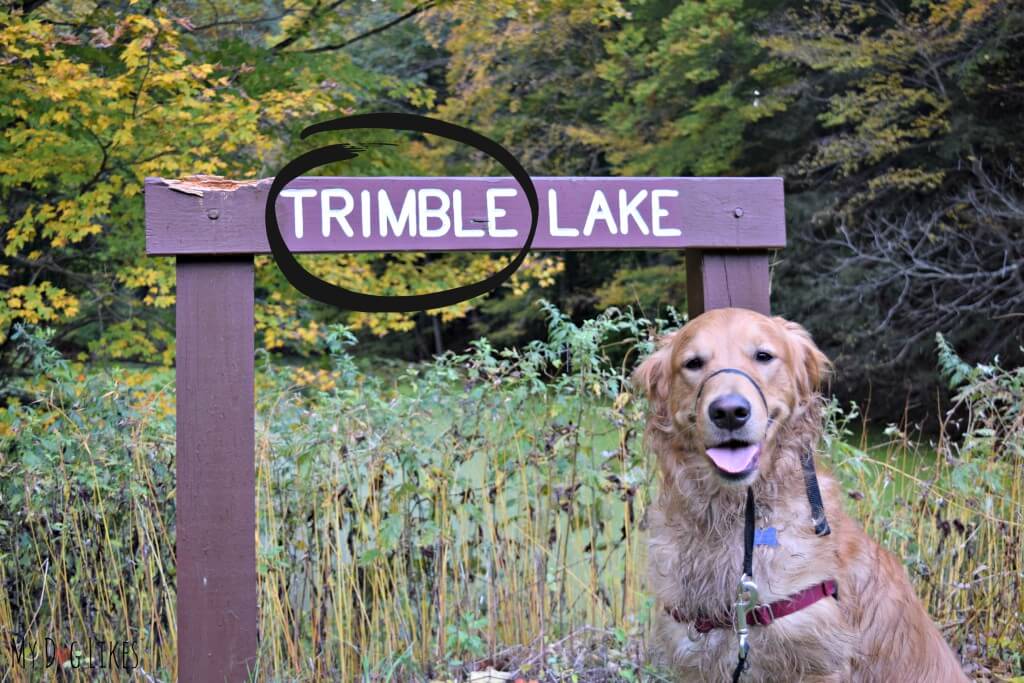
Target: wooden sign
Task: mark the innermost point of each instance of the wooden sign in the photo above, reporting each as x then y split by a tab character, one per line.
324	214
214	226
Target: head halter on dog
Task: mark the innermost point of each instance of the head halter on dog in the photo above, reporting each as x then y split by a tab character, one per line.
821	527
734	371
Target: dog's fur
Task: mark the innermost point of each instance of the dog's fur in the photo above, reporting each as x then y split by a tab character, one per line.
876	631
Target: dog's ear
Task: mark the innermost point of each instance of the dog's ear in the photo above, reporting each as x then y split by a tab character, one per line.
652	376
811	366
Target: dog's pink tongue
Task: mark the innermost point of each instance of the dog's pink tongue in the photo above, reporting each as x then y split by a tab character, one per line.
734	460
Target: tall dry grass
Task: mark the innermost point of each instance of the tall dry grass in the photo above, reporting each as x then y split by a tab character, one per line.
484	510
86	524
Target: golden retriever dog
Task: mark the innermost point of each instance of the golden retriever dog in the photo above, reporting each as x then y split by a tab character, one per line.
717	433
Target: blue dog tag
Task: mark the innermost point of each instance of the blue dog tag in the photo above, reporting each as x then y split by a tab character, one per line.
767	537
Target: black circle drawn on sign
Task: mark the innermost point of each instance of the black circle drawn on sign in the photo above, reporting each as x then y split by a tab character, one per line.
346	299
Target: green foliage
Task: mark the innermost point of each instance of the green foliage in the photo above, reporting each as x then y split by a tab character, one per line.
95	98
87	508
903	85
433	515
937	504
417	521
688	83
526	75
648	288
631	88
992	393
466	639
912	215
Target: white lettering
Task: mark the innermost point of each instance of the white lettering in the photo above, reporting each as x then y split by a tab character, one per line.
553	227
298	196
327	213
457	210
599	211
386	214
364	204
629	208
494	213
441	212
657	213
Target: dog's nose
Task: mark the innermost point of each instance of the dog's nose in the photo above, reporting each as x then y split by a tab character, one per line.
730	411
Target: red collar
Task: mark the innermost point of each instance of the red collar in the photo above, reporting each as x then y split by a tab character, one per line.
762	615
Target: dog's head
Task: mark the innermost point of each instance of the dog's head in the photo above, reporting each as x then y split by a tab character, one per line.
725	384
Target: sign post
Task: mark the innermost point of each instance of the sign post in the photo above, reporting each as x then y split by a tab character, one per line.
213	226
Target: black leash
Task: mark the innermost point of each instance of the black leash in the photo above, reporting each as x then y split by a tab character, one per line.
748	535
747	591
749	599
821	527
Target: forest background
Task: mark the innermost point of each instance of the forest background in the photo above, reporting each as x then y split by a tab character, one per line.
896	126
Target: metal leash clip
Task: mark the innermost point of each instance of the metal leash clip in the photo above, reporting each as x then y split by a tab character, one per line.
746	602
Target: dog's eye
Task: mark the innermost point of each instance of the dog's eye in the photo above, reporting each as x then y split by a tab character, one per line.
763	357
695	363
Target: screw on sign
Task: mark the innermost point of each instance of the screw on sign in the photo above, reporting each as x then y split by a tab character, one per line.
214	227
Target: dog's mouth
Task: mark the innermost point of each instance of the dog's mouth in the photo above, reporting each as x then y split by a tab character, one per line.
735	459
